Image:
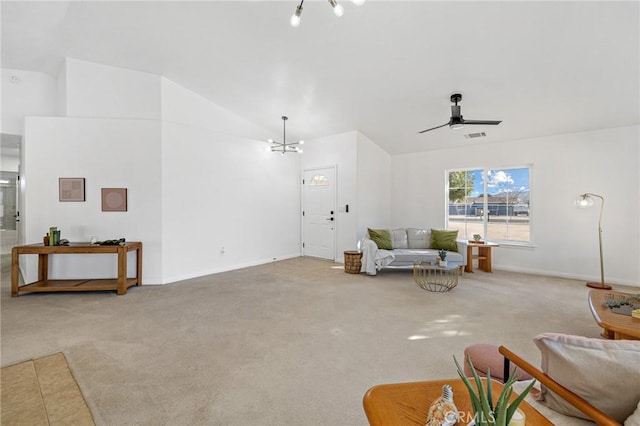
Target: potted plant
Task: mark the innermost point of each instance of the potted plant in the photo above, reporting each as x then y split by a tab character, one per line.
485	413
477	238
442	254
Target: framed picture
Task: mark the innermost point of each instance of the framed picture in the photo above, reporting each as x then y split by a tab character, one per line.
71	189
114	199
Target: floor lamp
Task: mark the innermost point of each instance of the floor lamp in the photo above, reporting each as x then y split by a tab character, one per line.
586	200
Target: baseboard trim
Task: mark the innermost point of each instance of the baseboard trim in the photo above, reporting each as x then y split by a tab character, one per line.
557	274
225	268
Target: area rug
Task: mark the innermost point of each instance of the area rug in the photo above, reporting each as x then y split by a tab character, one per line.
42	392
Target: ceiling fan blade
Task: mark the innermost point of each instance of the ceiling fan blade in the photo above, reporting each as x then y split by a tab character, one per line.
433	128
486	122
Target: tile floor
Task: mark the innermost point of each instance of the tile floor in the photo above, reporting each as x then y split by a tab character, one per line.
42	392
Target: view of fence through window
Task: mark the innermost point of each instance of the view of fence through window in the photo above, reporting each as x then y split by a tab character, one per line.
494	203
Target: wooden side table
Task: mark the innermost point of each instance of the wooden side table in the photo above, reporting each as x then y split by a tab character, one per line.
483	256
352	261
408	403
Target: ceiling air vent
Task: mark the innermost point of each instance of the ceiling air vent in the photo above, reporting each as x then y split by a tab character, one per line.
475	135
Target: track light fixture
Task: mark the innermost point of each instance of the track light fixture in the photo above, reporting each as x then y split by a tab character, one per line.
284	147
295	18
337	9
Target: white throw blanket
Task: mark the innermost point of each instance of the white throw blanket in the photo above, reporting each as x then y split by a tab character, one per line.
373	259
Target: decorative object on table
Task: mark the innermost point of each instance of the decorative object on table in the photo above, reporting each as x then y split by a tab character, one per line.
584	201
485	412
477	238
621	304
431	277
442	254
54	236
443	411
114	199
352	262
71	189
518	418
284	147
117	242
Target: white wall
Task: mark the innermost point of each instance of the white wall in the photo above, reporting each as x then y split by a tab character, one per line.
96	90
340	151
374	187
195	182
565	239
222	190
108	153
181	105
34	94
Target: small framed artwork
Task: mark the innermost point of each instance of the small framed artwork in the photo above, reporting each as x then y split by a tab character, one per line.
114	199
71	189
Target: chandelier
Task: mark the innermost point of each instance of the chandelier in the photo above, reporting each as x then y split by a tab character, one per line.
284	147
337	9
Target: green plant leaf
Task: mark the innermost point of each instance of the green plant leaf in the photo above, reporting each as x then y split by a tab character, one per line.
475	400
503	400
482	396
489	391
514	405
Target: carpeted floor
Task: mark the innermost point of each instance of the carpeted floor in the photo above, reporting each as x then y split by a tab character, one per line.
296	342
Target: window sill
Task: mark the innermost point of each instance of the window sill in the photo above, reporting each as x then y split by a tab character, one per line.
514	244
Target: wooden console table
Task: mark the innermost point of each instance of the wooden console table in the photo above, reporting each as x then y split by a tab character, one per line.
44	284
483	256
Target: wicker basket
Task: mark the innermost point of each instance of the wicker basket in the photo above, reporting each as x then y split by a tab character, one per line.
352	262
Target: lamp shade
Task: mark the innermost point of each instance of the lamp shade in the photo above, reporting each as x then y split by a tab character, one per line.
583	201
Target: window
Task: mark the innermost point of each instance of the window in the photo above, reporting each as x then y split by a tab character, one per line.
319	180
495	203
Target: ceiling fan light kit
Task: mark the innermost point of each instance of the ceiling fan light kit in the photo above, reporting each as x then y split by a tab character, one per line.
457	121
338	10
284	147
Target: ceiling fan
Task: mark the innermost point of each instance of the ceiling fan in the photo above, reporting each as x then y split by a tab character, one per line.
457	121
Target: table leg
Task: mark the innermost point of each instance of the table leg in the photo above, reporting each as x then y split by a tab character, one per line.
484	259
122	270
139	266
15	268
469	266
43	267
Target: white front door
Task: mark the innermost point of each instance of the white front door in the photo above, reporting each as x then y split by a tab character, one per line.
319	208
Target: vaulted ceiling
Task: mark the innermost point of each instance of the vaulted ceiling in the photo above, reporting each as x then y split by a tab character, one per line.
386	68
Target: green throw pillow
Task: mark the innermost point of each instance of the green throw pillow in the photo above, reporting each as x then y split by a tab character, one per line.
442	239
382	238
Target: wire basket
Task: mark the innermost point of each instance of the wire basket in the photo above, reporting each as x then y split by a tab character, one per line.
431	277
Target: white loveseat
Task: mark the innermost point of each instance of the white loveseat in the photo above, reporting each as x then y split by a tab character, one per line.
410	245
